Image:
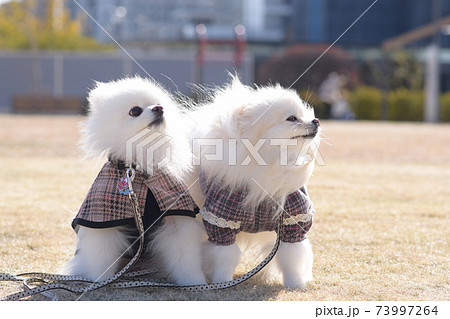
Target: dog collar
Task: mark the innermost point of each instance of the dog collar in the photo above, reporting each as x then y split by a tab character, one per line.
121	165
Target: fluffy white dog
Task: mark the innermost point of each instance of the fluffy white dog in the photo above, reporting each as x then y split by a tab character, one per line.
134	121
255	152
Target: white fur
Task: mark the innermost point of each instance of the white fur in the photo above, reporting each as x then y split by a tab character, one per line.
109	126
295	262
177	244
221	261
237	113
177	250
98	253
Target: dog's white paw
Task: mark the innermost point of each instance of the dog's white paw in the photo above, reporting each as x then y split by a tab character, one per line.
294	281
191	280
222	260
221	276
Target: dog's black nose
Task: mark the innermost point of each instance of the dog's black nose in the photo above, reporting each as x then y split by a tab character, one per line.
316	122
158	109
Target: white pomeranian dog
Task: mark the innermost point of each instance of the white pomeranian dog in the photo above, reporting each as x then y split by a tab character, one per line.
134	121
255	152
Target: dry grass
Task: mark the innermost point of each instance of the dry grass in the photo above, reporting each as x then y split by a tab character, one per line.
380	232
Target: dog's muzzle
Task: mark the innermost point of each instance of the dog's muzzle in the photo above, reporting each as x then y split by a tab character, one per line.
158	112
311	128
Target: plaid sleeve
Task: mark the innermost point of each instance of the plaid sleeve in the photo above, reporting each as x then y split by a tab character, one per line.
217	218
220	213
220	236
295	233
300	212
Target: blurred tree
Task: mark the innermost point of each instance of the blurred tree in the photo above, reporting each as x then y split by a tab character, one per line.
396	70
407	71
393	71
24	25
12	33
295	60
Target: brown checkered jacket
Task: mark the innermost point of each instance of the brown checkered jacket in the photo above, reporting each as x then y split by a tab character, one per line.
108	205
224	214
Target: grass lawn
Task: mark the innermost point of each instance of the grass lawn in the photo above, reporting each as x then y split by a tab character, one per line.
381	229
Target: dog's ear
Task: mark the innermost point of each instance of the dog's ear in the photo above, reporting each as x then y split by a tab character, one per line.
239	112
241	119
238	96
97	95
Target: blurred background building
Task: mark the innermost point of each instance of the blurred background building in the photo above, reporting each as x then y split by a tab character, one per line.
175	20
274	23
325	20
181	42
268	21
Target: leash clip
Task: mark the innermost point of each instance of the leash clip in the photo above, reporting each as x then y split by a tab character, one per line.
130	174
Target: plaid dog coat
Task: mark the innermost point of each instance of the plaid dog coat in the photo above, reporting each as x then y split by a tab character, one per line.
224	214
107	203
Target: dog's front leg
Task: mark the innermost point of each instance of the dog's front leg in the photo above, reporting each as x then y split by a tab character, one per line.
98	254
295	261
178	246
222	261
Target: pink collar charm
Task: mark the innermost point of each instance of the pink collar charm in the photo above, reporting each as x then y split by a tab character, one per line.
122	185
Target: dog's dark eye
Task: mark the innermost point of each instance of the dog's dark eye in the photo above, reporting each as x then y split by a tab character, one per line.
292	118
135	111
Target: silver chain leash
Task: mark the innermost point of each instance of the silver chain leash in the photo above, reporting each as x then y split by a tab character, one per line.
44	282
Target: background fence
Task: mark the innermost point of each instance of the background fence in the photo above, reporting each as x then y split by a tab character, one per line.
70	75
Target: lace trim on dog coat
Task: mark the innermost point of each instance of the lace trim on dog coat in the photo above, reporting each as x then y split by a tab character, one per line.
107	203
217	221
224	214
220	222
301	218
